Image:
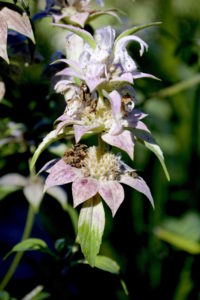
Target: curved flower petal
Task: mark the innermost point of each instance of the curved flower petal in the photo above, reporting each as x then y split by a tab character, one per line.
66	122
115	101
79	18
48	166
119	81
137	75
135	123
104	38
113	194
62	85
61	173
136	114
18	22
140	125
94	83
73	53
80	130
68	72
124	141
138	184
98	13
84	189
122	43
71	63
116	127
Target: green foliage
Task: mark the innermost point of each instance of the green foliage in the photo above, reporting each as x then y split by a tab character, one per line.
107	264
90	228
133	30
86	36
31	244
182	233
6	190
5	296
37	294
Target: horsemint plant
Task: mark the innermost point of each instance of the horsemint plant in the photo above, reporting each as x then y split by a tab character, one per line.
97	85
100	99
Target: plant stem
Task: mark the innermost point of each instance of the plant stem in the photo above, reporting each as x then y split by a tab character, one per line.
101	145
18	256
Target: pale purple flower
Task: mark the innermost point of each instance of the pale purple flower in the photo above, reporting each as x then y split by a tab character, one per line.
79	12
90	171
114	118
102	63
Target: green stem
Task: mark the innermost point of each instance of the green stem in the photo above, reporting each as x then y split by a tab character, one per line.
101	145
18	256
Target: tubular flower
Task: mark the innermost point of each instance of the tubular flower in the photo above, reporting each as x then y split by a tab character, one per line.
79	12
103	62
114	117
90	171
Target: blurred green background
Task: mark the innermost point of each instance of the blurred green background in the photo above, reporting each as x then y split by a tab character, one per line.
158	250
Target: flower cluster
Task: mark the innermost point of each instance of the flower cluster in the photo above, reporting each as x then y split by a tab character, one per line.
97	85
92	171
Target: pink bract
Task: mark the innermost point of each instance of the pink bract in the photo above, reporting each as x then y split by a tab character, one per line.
85	187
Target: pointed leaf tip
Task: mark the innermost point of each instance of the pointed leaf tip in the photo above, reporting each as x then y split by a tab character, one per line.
107	264
149	142
50	138
86	36
134	29
18	22
28	245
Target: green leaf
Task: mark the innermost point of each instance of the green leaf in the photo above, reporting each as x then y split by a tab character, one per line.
158	152
5	296
125	289
178	87
50	138
177	241
37	294
86	36
108	12
182	233
90	228
40	296
146	139
11	6
133	30
6	190
60	149
107	264
28	245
